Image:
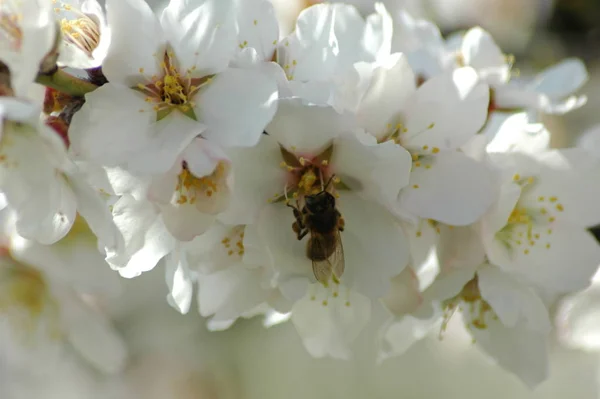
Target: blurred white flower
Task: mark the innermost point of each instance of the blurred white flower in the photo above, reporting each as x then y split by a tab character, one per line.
41	184
550	92
27	34
51	296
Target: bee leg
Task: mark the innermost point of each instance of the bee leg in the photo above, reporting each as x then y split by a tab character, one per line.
341	223
302	234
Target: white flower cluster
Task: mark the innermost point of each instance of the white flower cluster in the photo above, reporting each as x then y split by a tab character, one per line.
353	166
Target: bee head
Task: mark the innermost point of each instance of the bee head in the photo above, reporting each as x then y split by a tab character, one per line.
320	202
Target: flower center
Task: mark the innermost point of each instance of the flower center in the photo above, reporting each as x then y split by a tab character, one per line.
172	90
469	299
191	189
307	175
78	28
401	135
233	241
531	226
10	30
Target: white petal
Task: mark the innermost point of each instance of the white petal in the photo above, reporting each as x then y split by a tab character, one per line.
512	301
203	34
236	106
378	171
293	267
95	211
515	132
186	221
179	281
482	53
456	190
422	41
133	45
310	52
258	177
257	27
518	350
202	156
459	248
146	238
550	262
445	121
302	127
384	248
562	79
497	216
404	295
378	32
447	285
392	84
577	320
129	137
590	140
229	293
94	338
399	334
329	330
49	219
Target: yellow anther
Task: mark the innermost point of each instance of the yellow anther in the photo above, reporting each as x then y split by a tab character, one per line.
435	150
324	162
415	186
418	234
526	251
516	177
425	147
560	208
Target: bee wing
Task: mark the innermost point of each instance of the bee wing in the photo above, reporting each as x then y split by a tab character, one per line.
334	265
336	259
322	271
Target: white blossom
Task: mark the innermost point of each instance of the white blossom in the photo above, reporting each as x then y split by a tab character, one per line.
85	33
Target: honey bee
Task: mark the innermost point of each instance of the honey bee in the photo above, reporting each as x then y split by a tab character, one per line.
320	217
